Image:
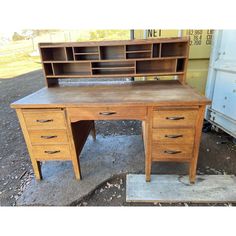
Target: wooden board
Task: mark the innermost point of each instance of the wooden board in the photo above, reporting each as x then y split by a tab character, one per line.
147	93
175	188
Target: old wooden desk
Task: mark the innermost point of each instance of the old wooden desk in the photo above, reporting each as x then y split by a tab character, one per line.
56	120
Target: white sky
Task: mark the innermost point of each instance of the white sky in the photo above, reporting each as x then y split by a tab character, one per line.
118	14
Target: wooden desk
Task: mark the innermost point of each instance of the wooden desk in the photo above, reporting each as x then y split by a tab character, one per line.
56	121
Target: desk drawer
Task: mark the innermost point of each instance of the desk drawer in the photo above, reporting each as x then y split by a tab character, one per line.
51	152
107	113
44	119
48	137
174	118
171	151
173	136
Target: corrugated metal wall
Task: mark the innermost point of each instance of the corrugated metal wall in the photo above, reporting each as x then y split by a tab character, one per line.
200	48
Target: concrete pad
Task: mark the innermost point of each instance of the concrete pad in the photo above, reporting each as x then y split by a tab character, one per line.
100	160
176	188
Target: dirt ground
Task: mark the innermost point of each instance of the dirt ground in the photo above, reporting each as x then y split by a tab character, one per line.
217	150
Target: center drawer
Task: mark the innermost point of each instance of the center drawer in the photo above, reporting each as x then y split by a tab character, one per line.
48	137
51	152
107	113
174	118
46	119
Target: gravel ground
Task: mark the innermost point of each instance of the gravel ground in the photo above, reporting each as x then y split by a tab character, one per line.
217	152
113	193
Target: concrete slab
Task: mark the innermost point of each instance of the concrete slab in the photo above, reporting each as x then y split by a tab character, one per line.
100	160
176	188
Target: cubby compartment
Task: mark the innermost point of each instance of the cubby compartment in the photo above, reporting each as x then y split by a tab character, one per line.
114	71
138	47
86	57
48	68
65	69
137	55
180	65
174	49
53	54
155	66
112	52
113	64
92	49
156	50
69	54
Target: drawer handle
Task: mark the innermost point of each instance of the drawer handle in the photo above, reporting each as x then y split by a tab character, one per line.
52	152
175	118
107	113
173	135
44	121
171	152
49	137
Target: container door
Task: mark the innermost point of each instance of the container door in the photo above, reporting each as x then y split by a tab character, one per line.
221	82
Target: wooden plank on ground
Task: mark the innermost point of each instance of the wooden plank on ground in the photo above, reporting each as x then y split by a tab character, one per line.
175	188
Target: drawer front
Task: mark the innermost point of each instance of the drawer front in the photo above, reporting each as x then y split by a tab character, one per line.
174	118
51	152
107	113
45	119
171	151
173	136
48	137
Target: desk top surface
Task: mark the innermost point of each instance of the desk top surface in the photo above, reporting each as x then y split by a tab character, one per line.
139	93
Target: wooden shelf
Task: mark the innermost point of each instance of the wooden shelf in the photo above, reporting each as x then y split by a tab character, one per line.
86	53
119	60
113	72
115	58
112	68
138	51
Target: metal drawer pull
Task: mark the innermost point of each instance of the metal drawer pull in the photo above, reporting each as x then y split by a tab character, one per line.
175	118
52	152
173	135
44	121
171	152
107	113
49	137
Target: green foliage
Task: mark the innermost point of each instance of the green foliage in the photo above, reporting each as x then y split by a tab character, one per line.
105	35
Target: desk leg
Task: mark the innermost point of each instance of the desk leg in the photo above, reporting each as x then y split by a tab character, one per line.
74	149
76	167
147	134
93	130
198	132
35	164
37	169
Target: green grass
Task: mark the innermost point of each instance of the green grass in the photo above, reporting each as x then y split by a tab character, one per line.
17	64
15	59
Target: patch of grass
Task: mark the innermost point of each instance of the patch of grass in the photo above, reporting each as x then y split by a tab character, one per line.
15	64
